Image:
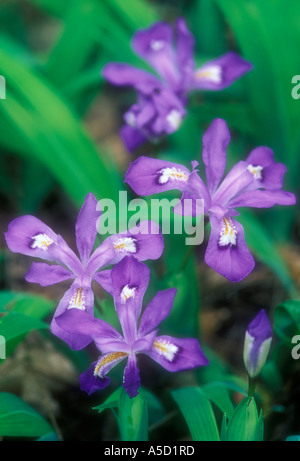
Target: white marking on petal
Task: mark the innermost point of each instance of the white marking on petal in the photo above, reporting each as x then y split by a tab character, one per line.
157	45
173	174
256	171
125	244
213	73
165	348
78	300
228	233
106	362
130	119
174	119
127	293
41	241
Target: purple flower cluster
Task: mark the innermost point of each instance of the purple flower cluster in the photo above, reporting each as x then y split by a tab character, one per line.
74	320
161	100
256	182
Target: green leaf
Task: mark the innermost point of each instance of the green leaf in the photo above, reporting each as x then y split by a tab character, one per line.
263	245
219	395
18	419
287	320
133	418
111	402
245	425
198	413
14	324
53	136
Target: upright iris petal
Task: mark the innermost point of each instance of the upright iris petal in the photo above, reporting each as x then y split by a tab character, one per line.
256	182
130	279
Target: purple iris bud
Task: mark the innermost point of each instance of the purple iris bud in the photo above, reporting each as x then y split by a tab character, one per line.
30	236
161	101
257	344
130	280
256	182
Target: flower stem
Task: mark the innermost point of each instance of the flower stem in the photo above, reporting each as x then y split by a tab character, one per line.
251	386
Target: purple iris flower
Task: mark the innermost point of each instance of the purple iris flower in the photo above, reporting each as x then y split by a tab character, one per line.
30	236
256	182
257	344
130	280
161	101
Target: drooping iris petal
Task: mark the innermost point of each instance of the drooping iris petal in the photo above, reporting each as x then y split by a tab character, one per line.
220	73
227	252
30	236
154	45
86	227
156	311
215	142
125	75
79	296
46	275
267	173
263	199
91	383
176	354
257	344
131	378
147	176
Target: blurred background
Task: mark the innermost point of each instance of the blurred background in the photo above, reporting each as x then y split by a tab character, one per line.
59	140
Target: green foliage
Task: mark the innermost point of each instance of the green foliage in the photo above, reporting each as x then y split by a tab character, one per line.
18	419
133	418
198	413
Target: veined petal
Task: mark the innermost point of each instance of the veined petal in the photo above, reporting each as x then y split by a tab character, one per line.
83	323
130	280
46	275
215	142
147	176
131	378
120	74
155	46
30	236
263	199
236	181
101	257
61	252
91	383
80	297
177	354
156	311
86	227
144	241
227	252
220	73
